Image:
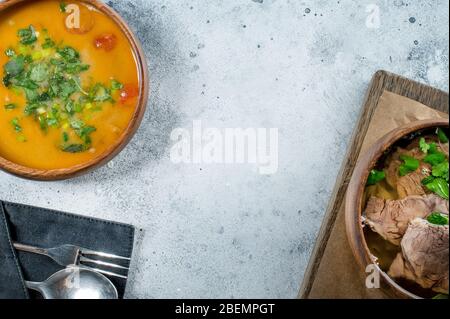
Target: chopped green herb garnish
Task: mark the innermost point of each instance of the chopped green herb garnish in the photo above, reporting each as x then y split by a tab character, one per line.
438	219
10	106
76	124
427	180
74	148
10	52
27	36
439	186
410	164
16	125
49	43
375	176
99	93
48	75
65	137
116	85
62	6
442	136
441	170
435	158
424	146
38	72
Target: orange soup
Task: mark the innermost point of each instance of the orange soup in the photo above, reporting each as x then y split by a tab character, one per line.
69	84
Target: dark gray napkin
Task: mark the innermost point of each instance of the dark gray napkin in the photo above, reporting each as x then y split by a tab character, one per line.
48	228
11	281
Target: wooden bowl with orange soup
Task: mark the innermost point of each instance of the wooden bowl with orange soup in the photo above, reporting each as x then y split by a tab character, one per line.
73	87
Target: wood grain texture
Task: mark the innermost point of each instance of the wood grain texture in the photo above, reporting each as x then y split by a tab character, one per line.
381	81
133	125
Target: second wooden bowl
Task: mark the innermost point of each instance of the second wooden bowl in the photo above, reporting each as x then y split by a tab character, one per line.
354	201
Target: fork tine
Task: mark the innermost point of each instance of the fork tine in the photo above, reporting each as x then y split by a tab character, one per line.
105	272
101	263
101	254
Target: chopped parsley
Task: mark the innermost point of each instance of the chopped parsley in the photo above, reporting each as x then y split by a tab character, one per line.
439	186
441	170
10	52
410	164
62	6
16	125
435	159
437	219
48	75
27	36
116	85
375	176
437	182
442	136
424	146
10	106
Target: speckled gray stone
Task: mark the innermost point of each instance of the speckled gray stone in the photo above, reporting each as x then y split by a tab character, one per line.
301	66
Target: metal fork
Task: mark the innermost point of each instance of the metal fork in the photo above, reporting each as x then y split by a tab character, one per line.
66	255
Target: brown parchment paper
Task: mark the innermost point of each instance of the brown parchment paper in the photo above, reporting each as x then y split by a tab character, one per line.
338	275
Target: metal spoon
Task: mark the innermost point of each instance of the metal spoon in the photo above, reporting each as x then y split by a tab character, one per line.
75	283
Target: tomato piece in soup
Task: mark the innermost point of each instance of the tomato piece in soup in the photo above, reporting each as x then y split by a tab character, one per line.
128	92
106	42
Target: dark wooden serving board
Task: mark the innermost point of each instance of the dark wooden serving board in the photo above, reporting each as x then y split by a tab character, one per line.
332	271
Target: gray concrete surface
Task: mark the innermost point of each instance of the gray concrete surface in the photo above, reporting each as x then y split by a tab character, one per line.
300	66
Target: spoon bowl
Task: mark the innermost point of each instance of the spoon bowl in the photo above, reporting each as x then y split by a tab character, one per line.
75	283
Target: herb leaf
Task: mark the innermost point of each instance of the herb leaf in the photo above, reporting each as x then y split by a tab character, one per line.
116	85
424	147
99	93
442	136
435	158
441	170
48	74
427	180
16	125
441	296
27	36
14	67
74	148
437	219
410	164
375	176
438	186
38	72
10	52
10	106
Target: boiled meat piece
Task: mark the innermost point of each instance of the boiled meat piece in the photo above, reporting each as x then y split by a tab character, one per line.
390	218
410	184
424	256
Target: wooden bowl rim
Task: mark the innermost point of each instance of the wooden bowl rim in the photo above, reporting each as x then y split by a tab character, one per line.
133	125
354	196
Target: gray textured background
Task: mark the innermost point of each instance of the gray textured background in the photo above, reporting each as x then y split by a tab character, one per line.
301	66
